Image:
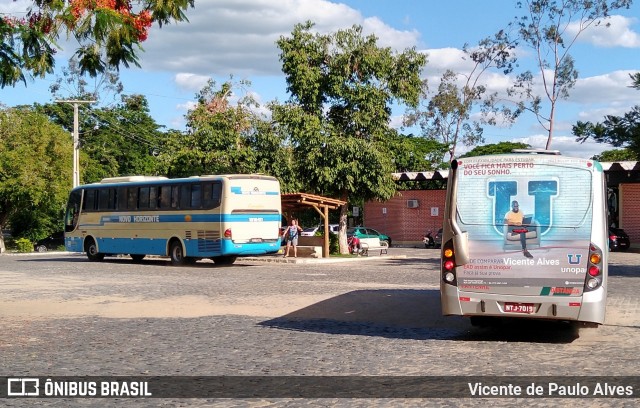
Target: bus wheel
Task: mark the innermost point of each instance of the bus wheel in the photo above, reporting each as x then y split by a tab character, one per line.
137	257
224	260
176	254
91	249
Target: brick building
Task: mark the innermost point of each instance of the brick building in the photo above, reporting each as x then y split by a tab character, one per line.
408	215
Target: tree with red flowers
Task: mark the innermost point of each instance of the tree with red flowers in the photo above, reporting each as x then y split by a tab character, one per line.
109	34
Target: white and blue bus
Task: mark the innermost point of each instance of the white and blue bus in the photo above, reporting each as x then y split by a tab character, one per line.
525	235
218	217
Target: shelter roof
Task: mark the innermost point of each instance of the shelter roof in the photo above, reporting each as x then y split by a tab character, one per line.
297	200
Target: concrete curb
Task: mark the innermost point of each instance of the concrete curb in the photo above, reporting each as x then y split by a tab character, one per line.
266	258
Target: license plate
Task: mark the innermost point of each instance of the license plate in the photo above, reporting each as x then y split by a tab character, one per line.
526	308
256	240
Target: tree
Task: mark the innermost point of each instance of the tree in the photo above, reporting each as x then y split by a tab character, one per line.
224	136
497	148
616	155
74	84
447	116
415	153
619	131
342	86
108	33
551	28
35	173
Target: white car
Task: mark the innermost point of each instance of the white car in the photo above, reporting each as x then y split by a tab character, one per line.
311	231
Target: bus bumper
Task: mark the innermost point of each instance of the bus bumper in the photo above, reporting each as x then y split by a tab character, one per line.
587	308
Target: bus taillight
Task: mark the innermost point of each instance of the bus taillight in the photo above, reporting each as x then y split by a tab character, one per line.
594	269
227	233
448	263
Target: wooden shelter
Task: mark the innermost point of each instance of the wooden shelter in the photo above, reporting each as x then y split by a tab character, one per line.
295	201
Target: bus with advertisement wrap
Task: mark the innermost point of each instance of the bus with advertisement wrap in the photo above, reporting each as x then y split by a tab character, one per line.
217	217
525	235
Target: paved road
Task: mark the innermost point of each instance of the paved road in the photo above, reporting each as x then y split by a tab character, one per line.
62	315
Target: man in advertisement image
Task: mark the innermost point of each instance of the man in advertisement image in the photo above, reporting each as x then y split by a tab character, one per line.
514	219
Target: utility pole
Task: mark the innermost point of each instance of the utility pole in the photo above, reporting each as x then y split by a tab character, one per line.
76	140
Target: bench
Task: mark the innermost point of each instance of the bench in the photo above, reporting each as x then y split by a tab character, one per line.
373	244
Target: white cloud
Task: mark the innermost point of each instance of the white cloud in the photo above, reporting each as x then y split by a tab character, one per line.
614	31
609	88
441	59
567	145
191	82
239	37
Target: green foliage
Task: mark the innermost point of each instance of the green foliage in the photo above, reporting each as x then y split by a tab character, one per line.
23	245
334	242
35	172
619	131
109	34
226	138
342	86
411	153
617	155
497	148
446	117
115	141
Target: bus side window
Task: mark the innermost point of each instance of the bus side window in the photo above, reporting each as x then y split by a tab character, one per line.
153	197
90	202
165	197
132	198
121	203
185	196
143	198
211	195
195	196
175	196
103	199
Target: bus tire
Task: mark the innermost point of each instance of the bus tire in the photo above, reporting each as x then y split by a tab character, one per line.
137	257
224	260
176	253
91	250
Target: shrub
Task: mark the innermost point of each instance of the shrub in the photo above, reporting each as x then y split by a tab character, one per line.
24	245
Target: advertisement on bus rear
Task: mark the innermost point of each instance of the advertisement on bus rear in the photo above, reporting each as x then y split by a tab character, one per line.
528	223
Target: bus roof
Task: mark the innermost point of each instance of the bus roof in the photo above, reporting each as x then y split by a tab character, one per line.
130	179
537	151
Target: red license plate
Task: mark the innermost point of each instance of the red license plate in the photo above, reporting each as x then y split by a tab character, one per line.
526	308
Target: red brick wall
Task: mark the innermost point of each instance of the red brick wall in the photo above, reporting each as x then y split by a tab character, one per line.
406	225
629	211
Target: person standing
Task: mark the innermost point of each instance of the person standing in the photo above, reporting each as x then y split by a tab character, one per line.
291	235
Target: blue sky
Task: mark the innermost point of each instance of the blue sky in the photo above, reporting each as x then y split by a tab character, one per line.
237	37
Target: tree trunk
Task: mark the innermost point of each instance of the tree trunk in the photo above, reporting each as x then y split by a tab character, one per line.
342	237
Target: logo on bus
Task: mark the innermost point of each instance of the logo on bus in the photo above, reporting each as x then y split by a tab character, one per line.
542	192
571	261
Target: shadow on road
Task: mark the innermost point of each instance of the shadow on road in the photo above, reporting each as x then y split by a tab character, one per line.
411	314
632	271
